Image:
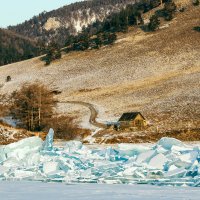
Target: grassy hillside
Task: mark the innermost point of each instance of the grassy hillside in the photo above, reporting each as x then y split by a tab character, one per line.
156	73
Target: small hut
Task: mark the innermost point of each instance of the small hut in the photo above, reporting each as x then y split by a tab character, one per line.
132	120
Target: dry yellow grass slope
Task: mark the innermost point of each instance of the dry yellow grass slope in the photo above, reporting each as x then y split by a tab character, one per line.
155	73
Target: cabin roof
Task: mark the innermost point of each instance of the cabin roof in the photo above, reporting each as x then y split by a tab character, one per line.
130	116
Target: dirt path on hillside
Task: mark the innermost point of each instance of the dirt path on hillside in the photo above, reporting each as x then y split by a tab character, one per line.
93	111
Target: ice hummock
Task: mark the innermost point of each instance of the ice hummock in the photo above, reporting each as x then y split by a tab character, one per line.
168	162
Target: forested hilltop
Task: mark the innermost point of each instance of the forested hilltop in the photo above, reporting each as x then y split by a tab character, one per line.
70	19
14	47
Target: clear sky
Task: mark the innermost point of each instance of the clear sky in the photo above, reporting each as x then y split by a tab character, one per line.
13	12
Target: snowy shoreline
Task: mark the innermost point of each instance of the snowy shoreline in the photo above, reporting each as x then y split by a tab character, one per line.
20	190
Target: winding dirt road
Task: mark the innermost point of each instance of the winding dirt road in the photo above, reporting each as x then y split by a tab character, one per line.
93	111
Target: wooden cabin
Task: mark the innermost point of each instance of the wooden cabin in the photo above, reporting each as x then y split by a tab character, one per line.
132	120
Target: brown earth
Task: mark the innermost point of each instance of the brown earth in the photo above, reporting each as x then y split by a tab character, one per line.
9	134
113	137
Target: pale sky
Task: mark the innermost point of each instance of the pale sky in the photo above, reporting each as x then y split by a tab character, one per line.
13	12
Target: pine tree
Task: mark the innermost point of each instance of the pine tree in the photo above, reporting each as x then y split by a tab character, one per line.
98	41
169	9
170	6
132	20
52	53
106	26
112	38
69	41
154	23
123	20
49	57
115	23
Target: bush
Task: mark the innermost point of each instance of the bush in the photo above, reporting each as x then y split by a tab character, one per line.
195	2
58	55
197	28
65	128
8	78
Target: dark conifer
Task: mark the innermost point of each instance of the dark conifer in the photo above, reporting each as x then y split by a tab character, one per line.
154	23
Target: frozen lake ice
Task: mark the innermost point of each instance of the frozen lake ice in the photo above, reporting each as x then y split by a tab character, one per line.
21	190
167	162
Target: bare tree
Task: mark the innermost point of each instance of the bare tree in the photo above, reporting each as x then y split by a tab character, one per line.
33	106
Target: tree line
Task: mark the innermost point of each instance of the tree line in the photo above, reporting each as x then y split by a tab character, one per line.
14	48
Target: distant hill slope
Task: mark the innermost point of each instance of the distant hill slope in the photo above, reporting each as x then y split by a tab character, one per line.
71	19
155	73
14	47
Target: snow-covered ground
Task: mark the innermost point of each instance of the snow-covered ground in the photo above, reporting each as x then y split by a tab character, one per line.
59	191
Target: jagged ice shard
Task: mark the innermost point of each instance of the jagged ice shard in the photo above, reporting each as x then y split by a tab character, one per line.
168	162
48	143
